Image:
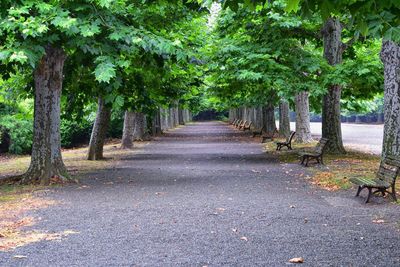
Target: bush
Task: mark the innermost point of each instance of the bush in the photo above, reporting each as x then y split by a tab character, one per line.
75	133
20	131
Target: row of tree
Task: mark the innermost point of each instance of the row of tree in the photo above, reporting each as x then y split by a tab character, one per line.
311	54
137	56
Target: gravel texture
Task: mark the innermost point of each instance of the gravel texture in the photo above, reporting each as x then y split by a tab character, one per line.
207	195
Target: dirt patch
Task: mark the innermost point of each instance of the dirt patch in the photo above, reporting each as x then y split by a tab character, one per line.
13	220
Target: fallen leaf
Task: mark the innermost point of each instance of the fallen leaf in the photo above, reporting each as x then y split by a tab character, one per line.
378	221
296	260
234	230
292	206
20	257
244	238
255	171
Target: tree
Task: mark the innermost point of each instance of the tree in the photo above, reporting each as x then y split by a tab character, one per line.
38	35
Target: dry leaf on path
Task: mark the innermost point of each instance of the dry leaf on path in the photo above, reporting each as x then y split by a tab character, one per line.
20	257
244	238
378	221
296	260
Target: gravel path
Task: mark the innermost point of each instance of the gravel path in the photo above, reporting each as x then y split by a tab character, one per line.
207	195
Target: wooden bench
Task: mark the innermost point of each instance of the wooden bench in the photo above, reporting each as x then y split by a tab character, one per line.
234	121
270	136
287	143
385	179
242	124
258	132
316	154
247	127
238	122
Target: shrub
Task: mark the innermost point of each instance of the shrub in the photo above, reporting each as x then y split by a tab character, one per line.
20	131
75	133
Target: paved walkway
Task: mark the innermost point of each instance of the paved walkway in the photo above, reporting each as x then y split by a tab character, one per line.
207	195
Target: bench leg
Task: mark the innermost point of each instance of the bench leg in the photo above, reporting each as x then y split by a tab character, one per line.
359	190
302	160
393	194
369	194
307	160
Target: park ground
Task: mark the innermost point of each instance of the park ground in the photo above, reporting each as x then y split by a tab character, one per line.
204	194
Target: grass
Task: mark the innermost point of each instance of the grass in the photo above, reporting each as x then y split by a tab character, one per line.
335	174
74	159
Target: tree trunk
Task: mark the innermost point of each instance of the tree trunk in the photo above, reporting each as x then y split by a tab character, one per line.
284	120
171	122
140	129
269	119
303	131
156	123
180	116
46	159
333	52
99	131
127	134
390	56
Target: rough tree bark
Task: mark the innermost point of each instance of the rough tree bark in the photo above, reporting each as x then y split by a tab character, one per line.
333	52
46	159
269	118
390	56
180	116
156	123
99	131
284	120
140	129
258	122
303	131
171	118
127	133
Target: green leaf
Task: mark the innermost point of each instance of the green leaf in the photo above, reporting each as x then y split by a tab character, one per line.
105	71
292	5
89	30
105	3
19	56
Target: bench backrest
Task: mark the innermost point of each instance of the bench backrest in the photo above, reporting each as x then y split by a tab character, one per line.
289	139
321	145
388	170
238	122
249	124
243	123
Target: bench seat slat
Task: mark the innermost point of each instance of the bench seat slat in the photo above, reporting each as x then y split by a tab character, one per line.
370	182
